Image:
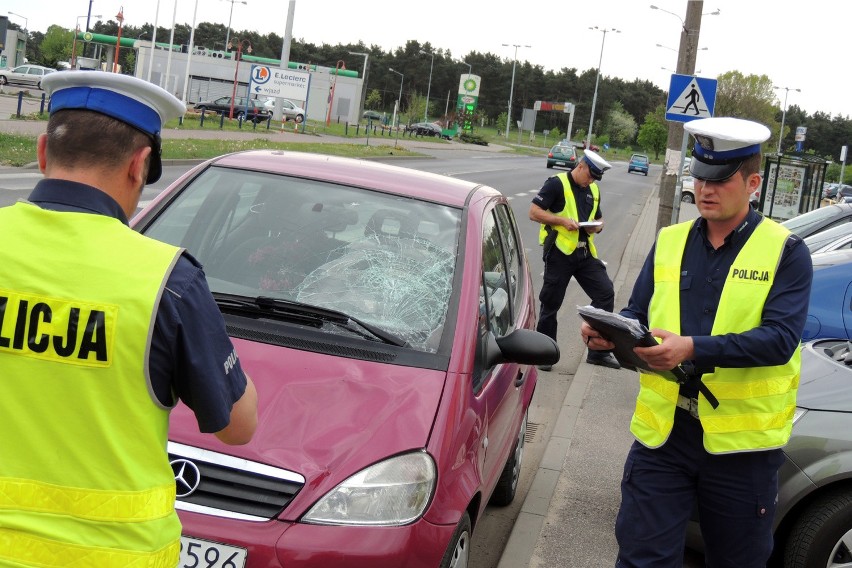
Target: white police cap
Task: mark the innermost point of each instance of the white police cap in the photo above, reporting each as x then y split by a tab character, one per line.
140	104
597	165
722	144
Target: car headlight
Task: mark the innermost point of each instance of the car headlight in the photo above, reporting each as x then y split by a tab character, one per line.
798	414
390	493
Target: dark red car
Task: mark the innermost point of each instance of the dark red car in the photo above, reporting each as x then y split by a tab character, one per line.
386	317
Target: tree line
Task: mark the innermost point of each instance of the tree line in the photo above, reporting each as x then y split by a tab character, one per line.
627	113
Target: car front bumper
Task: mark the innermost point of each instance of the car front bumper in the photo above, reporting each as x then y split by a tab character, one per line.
277	544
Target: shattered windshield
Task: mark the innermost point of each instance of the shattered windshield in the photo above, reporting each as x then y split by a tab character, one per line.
384	259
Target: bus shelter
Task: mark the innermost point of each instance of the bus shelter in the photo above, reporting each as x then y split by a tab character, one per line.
792	184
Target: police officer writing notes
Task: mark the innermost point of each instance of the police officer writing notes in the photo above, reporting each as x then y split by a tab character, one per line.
726	296
564	202
101	331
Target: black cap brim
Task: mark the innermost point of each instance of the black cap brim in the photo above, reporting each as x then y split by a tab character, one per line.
713	172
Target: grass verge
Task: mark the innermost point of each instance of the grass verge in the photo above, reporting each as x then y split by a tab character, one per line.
19	150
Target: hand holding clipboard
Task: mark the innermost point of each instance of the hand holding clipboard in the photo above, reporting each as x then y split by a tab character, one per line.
625	334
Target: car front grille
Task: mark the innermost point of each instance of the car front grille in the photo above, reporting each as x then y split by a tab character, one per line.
224	486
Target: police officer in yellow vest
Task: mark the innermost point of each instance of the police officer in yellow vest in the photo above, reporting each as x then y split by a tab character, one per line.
727	297
564	202
101	330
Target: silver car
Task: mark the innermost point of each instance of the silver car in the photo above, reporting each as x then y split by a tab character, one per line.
289	110
24	75
813	522
834	238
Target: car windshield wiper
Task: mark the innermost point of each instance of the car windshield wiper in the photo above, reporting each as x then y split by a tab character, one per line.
308	314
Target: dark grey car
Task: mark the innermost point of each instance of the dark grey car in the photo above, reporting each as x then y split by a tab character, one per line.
813	523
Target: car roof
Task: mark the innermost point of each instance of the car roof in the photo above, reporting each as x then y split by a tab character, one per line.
831	258
817	217
363	173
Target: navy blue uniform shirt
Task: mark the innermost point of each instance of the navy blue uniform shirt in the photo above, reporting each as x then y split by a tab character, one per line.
189	344
703	273
551	197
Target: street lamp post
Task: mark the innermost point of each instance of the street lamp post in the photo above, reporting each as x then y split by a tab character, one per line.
604	31
74	43
340	65
366	57
670	182
784	113
120	18
429	88
512	87
26	32
240	43
230	16
398	102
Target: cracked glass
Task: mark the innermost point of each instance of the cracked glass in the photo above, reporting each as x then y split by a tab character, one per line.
385	259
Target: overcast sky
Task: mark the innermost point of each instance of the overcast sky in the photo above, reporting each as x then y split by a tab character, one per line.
799	45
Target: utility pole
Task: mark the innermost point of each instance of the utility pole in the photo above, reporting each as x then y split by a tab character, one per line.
685	66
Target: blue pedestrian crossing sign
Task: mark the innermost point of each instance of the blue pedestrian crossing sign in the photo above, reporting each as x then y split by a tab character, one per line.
690	98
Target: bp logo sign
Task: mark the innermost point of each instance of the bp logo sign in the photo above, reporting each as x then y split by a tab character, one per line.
87	36
470	85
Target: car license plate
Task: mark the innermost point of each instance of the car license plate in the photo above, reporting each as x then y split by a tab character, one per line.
560	163
198	553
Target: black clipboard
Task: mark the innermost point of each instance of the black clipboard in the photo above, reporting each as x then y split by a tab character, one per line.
625	334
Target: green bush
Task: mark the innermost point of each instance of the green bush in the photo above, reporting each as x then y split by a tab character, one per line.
469	138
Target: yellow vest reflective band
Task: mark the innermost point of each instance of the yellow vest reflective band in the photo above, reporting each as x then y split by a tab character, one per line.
566	240
756	404
84	475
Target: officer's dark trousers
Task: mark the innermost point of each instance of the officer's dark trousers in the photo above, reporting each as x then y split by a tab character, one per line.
736	496
558	270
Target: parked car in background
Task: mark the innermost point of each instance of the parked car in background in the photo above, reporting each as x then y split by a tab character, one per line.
424	129
687	191
562	155
830	307
835	238
638	163
829	190
843	193
813	520
289	109
819	219
251	110
386	317
372	115
24	75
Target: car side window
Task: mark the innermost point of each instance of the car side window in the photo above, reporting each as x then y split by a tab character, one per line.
496	278
494	298
514	260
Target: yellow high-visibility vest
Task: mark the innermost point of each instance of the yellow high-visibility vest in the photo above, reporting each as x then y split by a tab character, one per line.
85	478
756	404
566	240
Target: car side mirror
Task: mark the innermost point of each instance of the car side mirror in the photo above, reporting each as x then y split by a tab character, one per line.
522	346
